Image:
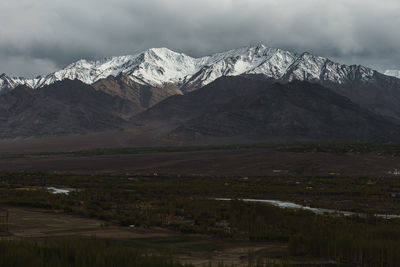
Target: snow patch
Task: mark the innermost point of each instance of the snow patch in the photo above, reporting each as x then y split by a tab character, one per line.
394	73
159	66
55	190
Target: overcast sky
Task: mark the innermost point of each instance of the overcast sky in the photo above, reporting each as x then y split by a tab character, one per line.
38	37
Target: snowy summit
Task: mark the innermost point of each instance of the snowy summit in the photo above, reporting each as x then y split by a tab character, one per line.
160	66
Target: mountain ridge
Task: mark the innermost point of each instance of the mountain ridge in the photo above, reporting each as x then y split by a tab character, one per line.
244	108
159	66
259	109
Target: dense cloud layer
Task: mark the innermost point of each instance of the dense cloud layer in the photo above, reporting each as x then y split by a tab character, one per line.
39	36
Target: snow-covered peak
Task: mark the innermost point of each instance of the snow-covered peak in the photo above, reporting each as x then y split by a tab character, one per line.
394	73
259	59
7	83
160	66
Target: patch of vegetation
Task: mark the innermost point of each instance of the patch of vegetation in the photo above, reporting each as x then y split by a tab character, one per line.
185	204
79	253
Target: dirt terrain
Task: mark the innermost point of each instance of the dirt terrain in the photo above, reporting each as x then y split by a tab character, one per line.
43	223
248	162
137	136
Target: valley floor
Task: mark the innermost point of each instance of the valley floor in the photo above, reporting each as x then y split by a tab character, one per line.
161	201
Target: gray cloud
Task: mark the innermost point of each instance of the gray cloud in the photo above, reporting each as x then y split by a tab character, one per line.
40	36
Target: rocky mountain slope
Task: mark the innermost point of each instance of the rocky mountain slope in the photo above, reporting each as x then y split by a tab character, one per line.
140	95
61	108
250	107
253	108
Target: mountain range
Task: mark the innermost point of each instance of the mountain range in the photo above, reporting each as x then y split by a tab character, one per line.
253	92
254	108
160	66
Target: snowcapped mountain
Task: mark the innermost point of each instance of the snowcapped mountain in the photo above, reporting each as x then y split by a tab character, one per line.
158	67
107	94
394	73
